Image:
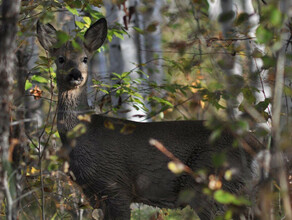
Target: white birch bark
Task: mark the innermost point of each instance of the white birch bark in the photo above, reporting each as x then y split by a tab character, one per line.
152	17
124	54
258	77
231	65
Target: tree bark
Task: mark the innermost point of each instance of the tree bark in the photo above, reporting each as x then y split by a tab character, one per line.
8	30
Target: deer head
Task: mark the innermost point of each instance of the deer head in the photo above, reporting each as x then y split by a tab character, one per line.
72	69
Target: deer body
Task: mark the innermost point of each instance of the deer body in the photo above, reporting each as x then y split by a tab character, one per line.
115	169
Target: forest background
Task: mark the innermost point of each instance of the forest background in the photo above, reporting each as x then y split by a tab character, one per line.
225	61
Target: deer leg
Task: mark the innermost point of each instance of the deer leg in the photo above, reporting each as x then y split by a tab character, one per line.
117	208
205	207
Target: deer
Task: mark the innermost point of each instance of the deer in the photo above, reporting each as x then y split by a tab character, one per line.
114	168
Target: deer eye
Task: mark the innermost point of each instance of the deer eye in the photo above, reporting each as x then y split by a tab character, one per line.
85	59
61	60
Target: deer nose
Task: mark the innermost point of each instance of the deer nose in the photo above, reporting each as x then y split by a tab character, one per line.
75	77
75	74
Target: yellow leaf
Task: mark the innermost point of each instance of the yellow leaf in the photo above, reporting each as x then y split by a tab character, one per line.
109	125
128	129
228	175
85	117
176	167
31	171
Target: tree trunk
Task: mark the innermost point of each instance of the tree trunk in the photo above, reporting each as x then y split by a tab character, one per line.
8	30
125	54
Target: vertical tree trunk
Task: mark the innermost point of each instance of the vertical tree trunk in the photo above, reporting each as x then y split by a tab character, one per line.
257	76
153	18
123	55
10	11
152	28
231	65
279	125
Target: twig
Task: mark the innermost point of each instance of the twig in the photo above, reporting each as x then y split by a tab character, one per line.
24	195
8	196
167	153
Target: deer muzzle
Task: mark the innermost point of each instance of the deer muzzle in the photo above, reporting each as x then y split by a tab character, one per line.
75	77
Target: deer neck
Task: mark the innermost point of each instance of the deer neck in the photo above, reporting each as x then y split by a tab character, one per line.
71	103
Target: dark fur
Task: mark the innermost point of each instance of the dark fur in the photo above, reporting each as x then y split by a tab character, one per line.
115	168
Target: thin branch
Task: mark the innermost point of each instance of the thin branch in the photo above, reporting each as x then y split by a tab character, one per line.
8	196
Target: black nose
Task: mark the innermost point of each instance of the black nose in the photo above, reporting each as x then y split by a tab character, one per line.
75	74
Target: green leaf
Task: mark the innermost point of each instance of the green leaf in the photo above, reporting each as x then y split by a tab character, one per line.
117	75
87	20
243	17
103	90
119	35
62	39
125	74
276	17
242	125
76	45
262	106
224	197
269	62
72	10
57	134
140	31
215	135
39	79
219	159
28	85
263	35
248	95
162	101
79	24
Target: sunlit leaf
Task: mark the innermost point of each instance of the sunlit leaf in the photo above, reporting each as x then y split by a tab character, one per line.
72	10
224	197
140	31
85	117
87	20
39	79
79	24
175	167
28	85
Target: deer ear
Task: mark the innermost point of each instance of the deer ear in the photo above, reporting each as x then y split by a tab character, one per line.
47	35
95	35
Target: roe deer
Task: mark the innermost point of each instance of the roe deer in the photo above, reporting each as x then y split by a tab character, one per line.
115	168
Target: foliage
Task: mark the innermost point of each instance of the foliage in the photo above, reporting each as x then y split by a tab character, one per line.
196	87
